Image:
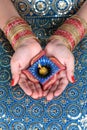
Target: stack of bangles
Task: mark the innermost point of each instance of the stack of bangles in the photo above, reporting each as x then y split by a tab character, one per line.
16	30
71	32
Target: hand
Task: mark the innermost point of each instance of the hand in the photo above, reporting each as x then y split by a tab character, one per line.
58	87
32	89
64	55
20	61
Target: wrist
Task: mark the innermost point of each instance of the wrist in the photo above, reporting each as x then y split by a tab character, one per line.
71	32
17	31
54	46
27	42
58	40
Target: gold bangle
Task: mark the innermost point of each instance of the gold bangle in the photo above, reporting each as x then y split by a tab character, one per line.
10	21
72	30
15	31
83	22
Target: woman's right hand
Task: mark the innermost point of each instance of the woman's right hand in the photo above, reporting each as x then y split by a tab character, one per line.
20	61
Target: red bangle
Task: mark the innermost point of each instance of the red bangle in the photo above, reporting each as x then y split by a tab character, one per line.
67	35
12	24
16	30
19	35
78	25
72	31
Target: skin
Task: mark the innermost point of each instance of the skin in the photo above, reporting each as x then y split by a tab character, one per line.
20	61
57	49
60	51
29	48
23	54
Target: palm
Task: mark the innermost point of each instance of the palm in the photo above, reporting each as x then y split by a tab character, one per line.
58	50
20	61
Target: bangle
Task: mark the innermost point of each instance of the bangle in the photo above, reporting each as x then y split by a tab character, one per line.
71	32
13	22
77	24
82	21
66	35
17	30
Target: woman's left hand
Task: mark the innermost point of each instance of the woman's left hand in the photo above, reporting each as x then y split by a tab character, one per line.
58	87
64	55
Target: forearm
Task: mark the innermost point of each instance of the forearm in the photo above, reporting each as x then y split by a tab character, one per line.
71	32
83	11
7	10
15	28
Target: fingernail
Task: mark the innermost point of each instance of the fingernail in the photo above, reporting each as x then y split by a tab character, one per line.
73	79
12	82
59	72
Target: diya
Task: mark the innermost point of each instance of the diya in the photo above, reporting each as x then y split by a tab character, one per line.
43	70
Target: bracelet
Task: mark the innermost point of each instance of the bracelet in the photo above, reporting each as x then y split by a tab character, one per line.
11	23
82	21
77	24
71	32
17	30
66	35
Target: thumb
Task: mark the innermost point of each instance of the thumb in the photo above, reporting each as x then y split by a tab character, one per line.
15	70
70	70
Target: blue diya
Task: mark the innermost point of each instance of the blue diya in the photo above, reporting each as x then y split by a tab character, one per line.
43	69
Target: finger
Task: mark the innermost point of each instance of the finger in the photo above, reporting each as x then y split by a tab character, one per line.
61	87
70	70
54	86
62	78
50	82
15	70
44	93
25	86
29	76
39	90
47	91
23	77
50	94
34	91
61	74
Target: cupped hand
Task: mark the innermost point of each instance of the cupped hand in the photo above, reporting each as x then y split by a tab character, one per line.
58	87
20	61
57	49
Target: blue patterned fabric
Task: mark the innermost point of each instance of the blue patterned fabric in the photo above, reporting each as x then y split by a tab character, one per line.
66	112
50	66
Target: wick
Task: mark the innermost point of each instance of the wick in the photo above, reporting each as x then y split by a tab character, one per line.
39	66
